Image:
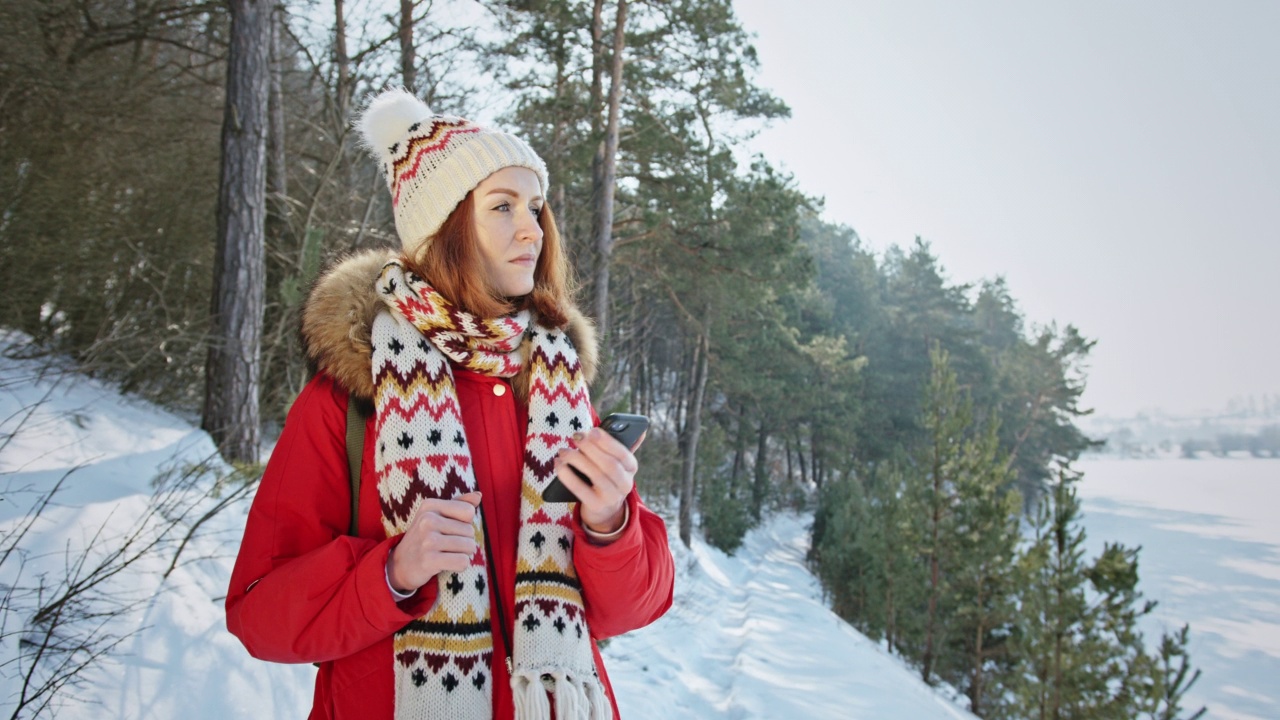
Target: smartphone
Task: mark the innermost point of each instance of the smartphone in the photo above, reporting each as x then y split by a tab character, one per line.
625	428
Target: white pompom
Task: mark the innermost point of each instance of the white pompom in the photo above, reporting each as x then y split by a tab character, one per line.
386	120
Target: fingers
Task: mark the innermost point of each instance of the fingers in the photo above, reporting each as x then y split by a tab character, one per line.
611	468
570	460
599	445
440	538
602	458
461	508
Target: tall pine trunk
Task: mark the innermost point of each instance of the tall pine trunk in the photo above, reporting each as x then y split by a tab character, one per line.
975	680
408	54
232	370
935	575
760	483
890	573
603	192
693	431
277	165
341	60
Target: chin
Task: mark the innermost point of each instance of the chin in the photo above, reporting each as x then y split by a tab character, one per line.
516	293
519	288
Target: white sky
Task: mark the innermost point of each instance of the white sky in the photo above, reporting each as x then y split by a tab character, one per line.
1117	162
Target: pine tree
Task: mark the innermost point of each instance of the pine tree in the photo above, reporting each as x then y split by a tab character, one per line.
1080	650
983	584
893	539
946	418
1169	680
233	370
1052	619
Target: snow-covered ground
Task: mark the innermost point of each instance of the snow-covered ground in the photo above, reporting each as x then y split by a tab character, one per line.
175	658
1210	536
748	637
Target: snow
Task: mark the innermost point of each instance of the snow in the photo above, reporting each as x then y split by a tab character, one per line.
1211	557
748	636
176	658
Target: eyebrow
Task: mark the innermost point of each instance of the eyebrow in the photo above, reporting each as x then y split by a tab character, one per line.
508	191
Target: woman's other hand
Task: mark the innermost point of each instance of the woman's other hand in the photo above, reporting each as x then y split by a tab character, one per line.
611	467
440	538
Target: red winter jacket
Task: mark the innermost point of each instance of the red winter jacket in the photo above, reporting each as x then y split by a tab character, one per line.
304	591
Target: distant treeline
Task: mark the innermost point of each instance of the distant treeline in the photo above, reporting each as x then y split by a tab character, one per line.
927	552
1264	443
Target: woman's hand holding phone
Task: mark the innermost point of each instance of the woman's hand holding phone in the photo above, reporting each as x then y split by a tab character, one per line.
610	470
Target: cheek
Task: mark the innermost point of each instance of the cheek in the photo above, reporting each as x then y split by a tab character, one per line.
486	240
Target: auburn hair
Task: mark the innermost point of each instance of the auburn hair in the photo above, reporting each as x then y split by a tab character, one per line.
451	262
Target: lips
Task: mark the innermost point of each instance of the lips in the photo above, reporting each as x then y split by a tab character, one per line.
526	260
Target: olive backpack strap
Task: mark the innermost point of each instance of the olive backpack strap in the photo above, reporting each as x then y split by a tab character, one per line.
357	414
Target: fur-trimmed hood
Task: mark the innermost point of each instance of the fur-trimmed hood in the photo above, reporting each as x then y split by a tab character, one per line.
338	317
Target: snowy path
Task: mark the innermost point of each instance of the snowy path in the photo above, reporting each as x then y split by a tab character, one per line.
750	637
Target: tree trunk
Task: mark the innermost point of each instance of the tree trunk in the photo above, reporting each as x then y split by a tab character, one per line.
693	430
760	484
277	161
935	574
975	680
597	72
232	370
607	155
739	451
891	609
341	60
804	472
408	54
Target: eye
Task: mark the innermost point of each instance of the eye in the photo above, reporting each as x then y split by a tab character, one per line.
537	211
503	207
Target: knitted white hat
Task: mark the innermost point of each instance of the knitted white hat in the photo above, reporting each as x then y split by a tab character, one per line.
432	161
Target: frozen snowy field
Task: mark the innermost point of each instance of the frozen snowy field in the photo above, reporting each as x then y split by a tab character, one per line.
1210	536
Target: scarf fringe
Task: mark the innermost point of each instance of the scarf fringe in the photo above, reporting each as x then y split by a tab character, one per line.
575	699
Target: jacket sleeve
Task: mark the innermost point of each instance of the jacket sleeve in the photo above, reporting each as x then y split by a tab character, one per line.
628	583
302	590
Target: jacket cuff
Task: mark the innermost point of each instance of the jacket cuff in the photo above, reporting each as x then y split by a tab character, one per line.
381	608
617	554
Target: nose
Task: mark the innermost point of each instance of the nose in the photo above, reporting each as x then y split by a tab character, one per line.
528	229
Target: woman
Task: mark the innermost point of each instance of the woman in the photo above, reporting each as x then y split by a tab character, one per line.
462	593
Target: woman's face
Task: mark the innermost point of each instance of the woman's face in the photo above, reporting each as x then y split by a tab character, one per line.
507	205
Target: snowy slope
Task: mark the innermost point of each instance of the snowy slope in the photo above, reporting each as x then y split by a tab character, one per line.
175	658
748	636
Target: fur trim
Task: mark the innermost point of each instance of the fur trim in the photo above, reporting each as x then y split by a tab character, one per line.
337	321
338	318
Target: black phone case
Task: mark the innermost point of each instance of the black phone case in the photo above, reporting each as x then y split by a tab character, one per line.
623	427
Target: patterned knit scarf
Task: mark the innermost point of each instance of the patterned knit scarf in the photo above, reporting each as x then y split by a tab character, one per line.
442	660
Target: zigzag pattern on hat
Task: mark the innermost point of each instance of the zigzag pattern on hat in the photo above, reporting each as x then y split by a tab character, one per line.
432	161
